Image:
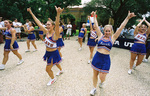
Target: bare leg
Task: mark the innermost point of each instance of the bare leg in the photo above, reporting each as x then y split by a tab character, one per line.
102	76
17	54
95	77
19	36
69	37
80	41
49	71
147	54
28	44
33	43
5	58
59	67
139	60
133	56
91	52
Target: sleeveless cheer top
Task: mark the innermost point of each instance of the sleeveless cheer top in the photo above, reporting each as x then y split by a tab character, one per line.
8	33
82	29
140	38
106	44
93	34
62	31
50	42
31	31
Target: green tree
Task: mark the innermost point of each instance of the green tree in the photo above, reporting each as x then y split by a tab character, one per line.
118	10
43	9
60	3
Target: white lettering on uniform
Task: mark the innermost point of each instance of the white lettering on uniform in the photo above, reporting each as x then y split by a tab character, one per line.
49	43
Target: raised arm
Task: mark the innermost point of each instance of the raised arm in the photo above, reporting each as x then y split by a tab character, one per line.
148	24
123	24
13	32
91	28
37	21
99	33
59	11
137	27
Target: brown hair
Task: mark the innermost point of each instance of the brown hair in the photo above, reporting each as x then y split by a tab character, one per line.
9	21
52	22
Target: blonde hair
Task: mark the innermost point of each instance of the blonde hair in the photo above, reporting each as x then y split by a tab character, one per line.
110	26
84	24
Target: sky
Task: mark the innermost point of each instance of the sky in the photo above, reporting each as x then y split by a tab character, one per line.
85	1
82	2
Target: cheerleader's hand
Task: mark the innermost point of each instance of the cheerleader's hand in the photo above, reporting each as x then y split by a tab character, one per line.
96	39
88	17
29	10
130	15
59	10
144	19
11	47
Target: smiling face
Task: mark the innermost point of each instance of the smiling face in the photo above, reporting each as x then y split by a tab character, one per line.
49	25
108	30
30	24
8	23
143	28
94	28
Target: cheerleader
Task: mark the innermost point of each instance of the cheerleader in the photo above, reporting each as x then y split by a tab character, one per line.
101	60
10	44
92	40
52	54
31	36
60	42
138	48
41	33
82	34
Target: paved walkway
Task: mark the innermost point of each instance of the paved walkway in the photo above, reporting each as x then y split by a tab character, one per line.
30	78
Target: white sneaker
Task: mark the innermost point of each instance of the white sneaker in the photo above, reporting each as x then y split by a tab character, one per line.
35	50
134	66
89	61
100	85
51	81
129	71
59	73
27	50
80	49
20	62
93	91
145	60
2	66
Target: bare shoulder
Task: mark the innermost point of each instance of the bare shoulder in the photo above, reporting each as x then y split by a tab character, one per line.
12	30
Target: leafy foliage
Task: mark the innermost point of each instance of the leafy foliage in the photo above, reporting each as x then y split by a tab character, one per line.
118	10
43	9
